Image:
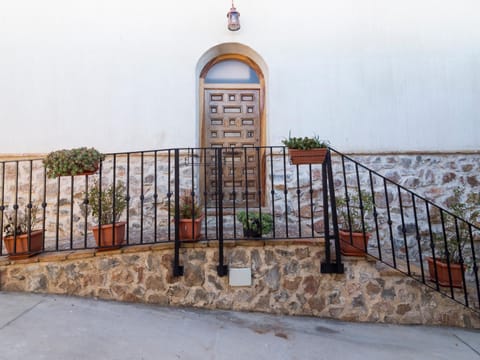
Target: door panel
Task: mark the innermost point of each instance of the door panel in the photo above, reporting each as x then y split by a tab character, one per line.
232	122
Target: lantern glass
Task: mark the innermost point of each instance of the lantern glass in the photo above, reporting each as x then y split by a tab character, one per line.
233	19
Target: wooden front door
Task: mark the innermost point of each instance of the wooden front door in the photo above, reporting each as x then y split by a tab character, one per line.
232	122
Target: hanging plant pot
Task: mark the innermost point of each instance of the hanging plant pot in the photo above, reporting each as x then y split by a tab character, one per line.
456	271
17	248
106	242
312	156
190	229
355	247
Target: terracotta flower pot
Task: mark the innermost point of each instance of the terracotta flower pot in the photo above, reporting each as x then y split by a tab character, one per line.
456	271
355	247
21	250
190	229
312	156
107	231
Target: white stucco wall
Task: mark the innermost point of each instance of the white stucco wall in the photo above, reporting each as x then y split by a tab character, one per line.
121	75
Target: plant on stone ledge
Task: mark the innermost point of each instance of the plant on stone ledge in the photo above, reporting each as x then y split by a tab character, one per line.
72	162
20	222
254	224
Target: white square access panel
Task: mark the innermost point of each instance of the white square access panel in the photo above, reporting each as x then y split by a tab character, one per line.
240	277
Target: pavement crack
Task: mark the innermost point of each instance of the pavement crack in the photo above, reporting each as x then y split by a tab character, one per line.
467	344
20	315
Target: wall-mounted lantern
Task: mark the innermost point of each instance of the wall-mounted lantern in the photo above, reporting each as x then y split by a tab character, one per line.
233	19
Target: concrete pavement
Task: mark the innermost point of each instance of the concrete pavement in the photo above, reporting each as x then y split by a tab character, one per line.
56	327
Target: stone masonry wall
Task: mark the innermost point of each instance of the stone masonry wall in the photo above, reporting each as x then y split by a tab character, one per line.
285	280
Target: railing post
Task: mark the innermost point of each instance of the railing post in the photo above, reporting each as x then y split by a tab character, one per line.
328	267
222	269
177	269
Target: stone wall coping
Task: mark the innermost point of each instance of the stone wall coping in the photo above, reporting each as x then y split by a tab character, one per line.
59	256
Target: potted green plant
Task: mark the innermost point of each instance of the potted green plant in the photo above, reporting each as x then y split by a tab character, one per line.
107	207
306	150
254	224
78	161
354	231
190	221
21	240
449	245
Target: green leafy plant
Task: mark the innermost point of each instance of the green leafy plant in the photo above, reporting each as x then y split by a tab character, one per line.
467	208
20	222
111	201
261	224
350	217
305	143
72	162
189	208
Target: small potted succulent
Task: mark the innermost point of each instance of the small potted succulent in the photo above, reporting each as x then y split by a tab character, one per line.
21	240
450	245
354	231
306	150
78	161
191	216
107	207
254	224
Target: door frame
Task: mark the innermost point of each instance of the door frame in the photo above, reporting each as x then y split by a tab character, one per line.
261	87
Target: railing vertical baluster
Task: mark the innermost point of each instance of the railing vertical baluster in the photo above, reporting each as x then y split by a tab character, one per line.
127	233
311	200
285	189
234	197
30	206
259	182
191	155
375	216
404	230
100	170
272	192
15	207
205	193
155	197
418	237
475	265
245	164
114	197
169	195
72	188
432	245
347	201
362	210
57	223
177	269
44	207
389	222
299	217
447	253
222	269
460	257
142	196
85	204
2	207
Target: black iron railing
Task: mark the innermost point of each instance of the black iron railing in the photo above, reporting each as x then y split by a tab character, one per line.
408	232
222	182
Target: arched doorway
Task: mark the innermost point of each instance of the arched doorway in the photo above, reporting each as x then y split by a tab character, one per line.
232	117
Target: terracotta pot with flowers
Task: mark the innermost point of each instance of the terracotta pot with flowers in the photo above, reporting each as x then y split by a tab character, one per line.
354	231
107	205
21	239
450	244
191	216
78	161
306	150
